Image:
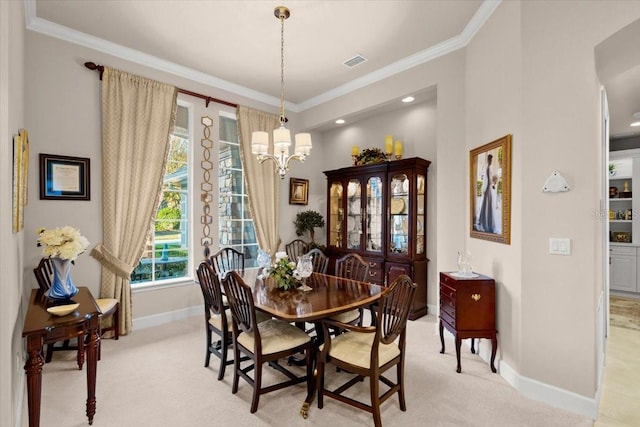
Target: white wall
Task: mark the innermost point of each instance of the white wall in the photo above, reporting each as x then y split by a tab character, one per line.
12	292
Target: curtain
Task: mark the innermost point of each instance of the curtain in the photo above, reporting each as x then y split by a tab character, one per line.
263	183
137	119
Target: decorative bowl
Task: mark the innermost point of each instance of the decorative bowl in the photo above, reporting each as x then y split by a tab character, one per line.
63	310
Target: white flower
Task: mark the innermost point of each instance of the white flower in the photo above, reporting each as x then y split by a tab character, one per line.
63	242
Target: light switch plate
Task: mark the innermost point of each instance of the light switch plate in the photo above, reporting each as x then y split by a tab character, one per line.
559	246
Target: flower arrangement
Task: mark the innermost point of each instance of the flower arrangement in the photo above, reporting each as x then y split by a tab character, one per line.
283	272
370	156
62	242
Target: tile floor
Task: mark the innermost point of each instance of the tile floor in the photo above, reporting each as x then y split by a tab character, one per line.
620	400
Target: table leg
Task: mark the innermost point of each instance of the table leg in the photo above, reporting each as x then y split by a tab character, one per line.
33	368
494	348
313	388
92	367
458	342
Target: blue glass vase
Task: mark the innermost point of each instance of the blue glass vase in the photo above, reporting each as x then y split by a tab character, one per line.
62	287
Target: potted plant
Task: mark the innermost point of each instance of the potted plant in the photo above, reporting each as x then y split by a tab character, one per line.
308	221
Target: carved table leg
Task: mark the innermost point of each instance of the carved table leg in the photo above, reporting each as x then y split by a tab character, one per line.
92	367
473	348
494	347
458	342
441	337
33	368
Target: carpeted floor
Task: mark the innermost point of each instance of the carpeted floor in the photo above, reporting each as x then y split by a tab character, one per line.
155	377
624	312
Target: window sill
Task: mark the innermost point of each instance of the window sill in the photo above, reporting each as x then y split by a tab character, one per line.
154	286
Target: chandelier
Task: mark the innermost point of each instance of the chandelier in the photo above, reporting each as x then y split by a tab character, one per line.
281	135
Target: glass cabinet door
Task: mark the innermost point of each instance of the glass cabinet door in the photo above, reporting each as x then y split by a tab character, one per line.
354	214
399	214
421	223
335	215
374	211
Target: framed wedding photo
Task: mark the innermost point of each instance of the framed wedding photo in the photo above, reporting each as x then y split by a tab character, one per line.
298	191
490	191
64	177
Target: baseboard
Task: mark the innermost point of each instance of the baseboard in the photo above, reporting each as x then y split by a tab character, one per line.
552	395
536	390
167	317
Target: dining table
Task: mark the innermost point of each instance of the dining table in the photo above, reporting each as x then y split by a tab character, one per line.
320	296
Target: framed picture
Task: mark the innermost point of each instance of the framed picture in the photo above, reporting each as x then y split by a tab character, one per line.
20	177
298	191
64	177
490	191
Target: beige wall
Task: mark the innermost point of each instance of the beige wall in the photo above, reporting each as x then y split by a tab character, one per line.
12	292
530	71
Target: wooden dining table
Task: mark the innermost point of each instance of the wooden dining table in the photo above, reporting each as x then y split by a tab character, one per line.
325	296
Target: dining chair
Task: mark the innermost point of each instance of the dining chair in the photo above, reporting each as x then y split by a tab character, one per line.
217	317
370	351
351	266
296	248
319	260
264	342
108	307
227	259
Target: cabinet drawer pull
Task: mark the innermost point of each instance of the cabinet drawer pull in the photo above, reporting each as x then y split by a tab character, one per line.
373	273
373	264
476	297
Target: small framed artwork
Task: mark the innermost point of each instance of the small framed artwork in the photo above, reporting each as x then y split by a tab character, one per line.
298	191
64	177
490	191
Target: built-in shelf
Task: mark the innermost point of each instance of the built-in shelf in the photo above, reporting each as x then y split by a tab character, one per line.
621	199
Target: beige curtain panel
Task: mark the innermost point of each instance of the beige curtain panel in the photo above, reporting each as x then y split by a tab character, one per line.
138	115
263	183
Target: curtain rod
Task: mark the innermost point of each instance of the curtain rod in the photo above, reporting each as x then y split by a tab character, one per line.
207	99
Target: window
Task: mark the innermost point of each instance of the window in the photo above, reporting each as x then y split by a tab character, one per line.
235	225
166	255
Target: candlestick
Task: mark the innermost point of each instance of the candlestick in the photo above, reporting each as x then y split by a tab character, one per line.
397	149
388	146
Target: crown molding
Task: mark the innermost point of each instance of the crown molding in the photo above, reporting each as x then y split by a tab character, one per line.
61	32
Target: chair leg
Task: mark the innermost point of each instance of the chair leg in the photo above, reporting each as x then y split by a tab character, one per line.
400	379
236	367
207	356
116	323
375	400
49	355
257	385
224	346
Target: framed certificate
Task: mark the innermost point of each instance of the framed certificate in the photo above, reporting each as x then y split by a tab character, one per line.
64	177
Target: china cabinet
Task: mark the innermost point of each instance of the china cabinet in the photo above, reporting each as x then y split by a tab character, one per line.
379	212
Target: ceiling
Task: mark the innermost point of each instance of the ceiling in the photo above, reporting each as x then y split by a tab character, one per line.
235	45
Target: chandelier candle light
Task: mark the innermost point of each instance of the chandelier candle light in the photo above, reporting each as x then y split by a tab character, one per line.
282	135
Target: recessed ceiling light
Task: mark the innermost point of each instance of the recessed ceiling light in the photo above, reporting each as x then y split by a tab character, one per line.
636	115
635	124
340	121
408	99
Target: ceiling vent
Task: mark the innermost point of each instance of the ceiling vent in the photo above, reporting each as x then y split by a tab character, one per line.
356	60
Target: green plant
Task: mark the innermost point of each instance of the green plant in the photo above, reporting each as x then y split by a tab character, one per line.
612	167
308	221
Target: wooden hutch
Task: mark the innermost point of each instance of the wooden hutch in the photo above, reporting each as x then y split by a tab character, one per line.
379	211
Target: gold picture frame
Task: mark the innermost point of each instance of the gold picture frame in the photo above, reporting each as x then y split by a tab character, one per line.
298	191
20	178
490	191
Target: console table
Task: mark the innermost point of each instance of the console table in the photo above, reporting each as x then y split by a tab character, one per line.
468	310
42	328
